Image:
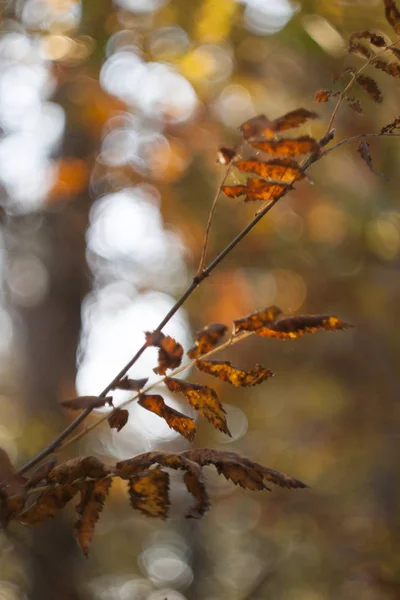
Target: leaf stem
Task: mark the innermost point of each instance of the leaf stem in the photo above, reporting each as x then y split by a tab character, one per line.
353	79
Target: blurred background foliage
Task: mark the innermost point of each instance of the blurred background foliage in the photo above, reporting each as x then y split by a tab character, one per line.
111	114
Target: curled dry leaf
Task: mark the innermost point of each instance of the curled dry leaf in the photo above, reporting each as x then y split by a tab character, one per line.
225	156
149	493
83	402
77	468
370	86
118	418
392	15
133	385
194	481
286	170
257	189
370	36
394	125
287	147
233	375
93	497
364	151
360	50
242	471
49	503
174	419
234	191
207	338
203	399
170	351
295	327
261	126
392	69
257	319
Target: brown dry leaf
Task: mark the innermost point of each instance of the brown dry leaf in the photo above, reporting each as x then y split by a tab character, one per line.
41	473
372	38
354	104
288	147
201	398
324	95
278	169
241	470
118	418
233	191
261	126
364	151
49	503
133	385
391	126
83	402
93	496
257	319
392	69
257	189
170	353
396	52
233	375
207	338
371	87
148	492
295	327
194	483
225	156
392	15
77	468
174	419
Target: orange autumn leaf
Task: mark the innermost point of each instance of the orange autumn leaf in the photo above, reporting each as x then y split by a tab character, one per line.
233	375
207	338
174	419
257	319
279	169
93	496
295	327
118	418
288	147
170	351
325	95
233	191
201	398
257	189
149	493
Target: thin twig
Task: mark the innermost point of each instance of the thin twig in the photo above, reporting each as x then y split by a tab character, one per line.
232	340
353	79
211	216
360	136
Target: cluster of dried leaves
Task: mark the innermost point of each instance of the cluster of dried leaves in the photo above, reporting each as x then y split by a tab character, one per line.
49	489
374	48
41	495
